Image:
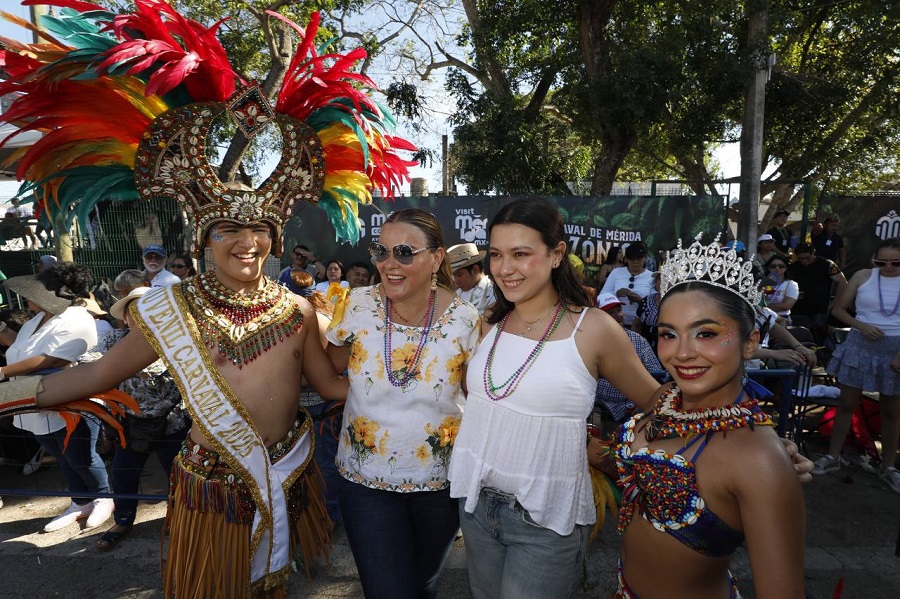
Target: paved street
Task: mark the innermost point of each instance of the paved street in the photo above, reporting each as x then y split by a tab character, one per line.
851	535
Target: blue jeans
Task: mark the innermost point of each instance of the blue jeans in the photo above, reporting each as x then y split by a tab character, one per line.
328	432
399	540
509	556
126	472
81	466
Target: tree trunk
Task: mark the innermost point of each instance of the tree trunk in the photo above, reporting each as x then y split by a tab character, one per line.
752	127
617	140
616	145
281	60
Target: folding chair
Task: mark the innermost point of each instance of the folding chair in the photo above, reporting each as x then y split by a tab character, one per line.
804	405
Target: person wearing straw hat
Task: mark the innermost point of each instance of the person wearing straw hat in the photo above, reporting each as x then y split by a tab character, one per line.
160	427
245	490
61	331
467	267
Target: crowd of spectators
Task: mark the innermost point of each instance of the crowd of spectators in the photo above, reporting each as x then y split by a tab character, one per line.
801	282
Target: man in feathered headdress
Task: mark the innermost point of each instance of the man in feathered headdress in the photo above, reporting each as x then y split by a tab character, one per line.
142	93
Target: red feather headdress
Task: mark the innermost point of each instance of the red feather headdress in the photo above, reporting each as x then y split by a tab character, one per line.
125	104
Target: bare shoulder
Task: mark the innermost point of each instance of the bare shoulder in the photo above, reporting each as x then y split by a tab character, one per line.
860	276
761	456
597	322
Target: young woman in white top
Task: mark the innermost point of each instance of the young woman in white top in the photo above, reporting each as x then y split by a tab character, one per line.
870	357
519	465
334	273
783	293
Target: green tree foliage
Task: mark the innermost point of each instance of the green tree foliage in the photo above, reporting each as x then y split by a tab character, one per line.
832	113
606	89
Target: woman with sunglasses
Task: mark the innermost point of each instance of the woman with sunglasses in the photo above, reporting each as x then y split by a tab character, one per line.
404	343
781	292
631	282
182	267
870	357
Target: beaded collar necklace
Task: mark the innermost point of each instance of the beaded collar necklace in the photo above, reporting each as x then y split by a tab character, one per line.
508	387
669	420
409	368
241	326
881	299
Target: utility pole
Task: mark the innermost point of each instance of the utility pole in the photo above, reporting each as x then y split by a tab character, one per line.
752	126
445	166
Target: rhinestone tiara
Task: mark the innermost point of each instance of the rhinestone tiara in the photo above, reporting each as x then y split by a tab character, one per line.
713	265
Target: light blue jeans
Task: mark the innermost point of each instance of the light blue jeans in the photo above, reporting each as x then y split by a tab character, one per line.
510	557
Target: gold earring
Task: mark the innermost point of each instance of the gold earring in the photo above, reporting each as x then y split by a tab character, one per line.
433	281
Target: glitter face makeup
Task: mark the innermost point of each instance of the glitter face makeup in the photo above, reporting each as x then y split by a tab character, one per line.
701	348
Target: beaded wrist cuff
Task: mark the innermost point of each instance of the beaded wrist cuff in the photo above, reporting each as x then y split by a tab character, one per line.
19	395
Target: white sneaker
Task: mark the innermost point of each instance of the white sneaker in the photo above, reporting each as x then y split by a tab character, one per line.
825	464
73	512
34	464
103	510
891	476
863	462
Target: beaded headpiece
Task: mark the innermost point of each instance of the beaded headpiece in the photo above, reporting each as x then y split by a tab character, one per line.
713	265
171	162
142	91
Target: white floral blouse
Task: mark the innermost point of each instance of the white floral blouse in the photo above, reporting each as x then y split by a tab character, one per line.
393	438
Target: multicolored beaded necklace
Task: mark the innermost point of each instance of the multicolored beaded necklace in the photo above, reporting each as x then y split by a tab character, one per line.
241	327
668	420
881	300
409	369
507	388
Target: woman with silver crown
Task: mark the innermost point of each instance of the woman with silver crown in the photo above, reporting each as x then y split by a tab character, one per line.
527	498
703	471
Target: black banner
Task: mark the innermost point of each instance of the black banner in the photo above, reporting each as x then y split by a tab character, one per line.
864	222
593	225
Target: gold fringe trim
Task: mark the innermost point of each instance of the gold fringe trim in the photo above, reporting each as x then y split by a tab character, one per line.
311	532
209	551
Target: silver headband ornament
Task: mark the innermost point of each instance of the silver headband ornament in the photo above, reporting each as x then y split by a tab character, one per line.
712	265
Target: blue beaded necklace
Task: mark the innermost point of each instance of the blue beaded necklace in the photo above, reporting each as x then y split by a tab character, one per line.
413	367
508	387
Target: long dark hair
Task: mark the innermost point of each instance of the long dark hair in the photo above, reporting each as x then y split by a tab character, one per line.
429	225
542	216
68	280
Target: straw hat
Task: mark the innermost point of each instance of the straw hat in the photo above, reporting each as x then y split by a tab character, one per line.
93	307
464	254
33	290
118	308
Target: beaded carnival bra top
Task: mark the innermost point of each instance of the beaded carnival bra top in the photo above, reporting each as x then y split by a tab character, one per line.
241	327
662	487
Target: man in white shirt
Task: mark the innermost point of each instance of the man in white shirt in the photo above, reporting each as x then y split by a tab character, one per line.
471	283
631	282
154	258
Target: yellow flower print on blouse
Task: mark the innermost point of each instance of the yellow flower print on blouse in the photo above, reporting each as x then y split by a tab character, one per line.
441	439
455	365
423	453
358	357
382	444
362	434
403	360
